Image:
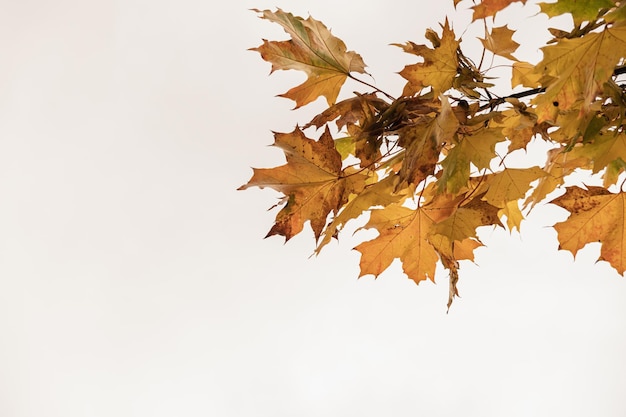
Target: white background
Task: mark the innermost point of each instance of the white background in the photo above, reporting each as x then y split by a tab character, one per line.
134	280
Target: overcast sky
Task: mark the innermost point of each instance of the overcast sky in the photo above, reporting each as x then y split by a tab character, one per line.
135	280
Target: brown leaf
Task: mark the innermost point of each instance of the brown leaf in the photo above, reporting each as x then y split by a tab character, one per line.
312	180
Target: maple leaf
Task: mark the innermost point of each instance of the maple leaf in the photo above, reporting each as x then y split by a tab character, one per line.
519	126
314	50
462	224
510	184
419	147
560	163
608	151
578	68
312	180
477	149
404	234
525	74
380	193
596	215
500	42
580	10
439	67
488	8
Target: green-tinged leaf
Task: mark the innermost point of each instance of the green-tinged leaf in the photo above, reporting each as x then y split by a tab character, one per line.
580	11
314	50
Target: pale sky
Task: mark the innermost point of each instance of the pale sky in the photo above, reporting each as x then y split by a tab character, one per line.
135	280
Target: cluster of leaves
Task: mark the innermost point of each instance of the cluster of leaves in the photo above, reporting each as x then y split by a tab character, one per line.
424	165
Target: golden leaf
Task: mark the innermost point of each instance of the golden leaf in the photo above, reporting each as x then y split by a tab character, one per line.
596	215
577	69
439	67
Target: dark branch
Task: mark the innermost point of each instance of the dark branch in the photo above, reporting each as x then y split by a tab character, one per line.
497	101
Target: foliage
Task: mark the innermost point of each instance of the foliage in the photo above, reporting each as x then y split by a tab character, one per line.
430	165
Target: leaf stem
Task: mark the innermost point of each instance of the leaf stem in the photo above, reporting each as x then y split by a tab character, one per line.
389	96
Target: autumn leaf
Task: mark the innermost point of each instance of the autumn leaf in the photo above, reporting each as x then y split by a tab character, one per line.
439	67
424	165
524	74
500	42
608	151
477	149
561	163
376	194
488	8
510	184
312	180
519	126
578	68
314	50
596	215
403	234
580	10
423	142
462	224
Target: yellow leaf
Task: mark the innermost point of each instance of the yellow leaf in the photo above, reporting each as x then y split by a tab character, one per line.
462	224
510	184
314	50
513	215
312	181
477	149
439	67
403	234
596	215
380	193
606	148
500	42
560	164
518	126
525	74
577	69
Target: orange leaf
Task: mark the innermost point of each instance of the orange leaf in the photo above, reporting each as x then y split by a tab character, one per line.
314	50
597	215
488	8
312	181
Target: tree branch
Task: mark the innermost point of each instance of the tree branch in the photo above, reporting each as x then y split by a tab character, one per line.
497	101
